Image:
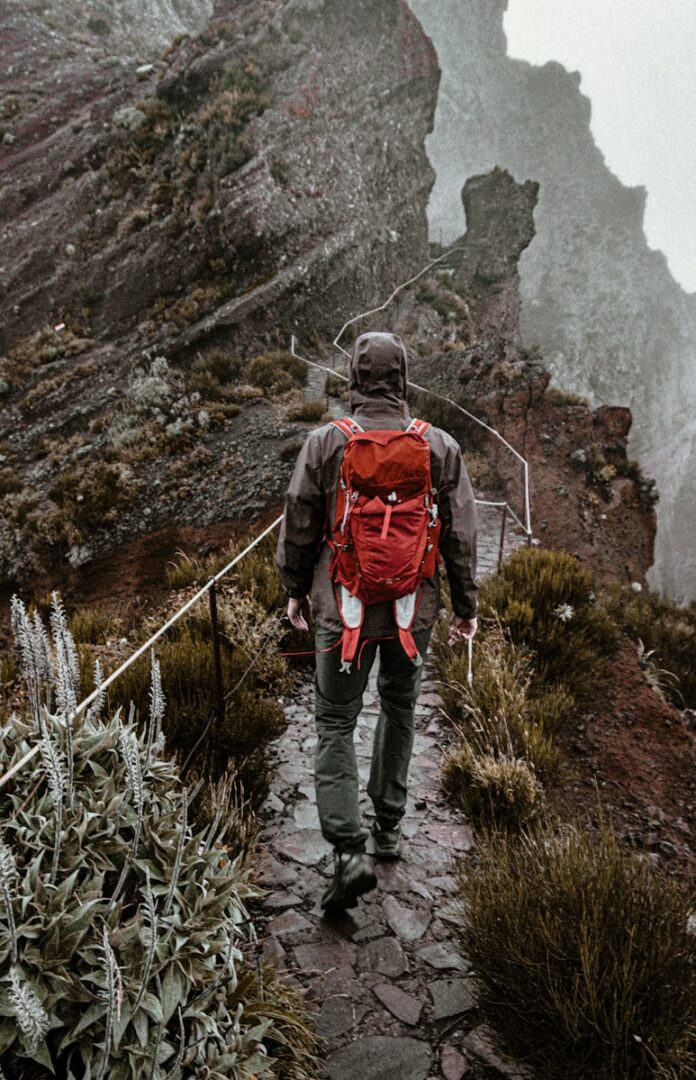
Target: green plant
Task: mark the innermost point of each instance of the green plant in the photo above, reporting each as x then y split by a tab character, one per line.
309	412
290	451
9	482
335	387
120	927
548	602
94	626
496	791
666	632
253	675
498	716
275	373
94	496
583	956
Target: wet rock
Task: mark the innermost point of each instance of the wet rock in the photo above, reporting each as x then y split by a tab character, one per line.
459	837
408	923
381	1058
451	997
278	900
277	873
384	955
290	922
320	957
403	1006
307	848
481	1043
305	816
453	1064
337	1016
443	957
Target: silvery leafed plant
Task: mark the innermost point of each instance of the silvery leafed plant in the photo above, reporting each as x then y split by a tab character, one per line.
119	927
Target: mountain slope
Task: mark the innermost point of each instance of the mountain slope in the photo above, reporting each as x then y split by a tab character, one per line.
612	322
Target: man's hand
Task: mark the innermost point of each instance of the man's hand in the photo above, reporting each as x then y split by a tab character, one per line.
460	628
295	614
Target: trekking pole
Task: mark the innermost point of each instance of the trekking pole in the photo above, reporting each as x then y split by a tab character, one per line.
469	673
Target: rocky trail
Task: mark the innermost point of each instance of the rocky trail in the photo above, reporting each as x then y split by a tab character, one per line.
390	995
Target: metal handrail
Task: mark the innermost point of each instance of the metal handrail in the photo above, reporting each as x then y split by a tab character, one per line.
147	645
209	587
526	526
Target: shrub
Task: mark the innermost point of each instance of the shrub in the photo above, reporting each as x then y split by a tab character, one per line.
665	630
548	602
94	626
481	471
556	396
290	451
495	791
94	496
9	482
309	412
497	715
253	675
582	956
335	387
275	373
196	571
120	928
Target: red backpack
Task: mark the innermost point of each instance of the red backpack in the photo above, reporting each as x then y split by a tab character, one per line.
386	528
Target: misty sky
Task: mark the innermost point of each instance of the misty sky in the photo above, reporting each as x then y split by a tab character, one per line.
637	59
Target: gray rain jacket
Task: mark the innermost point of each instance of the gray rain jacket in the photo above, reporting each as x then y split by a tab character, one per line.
378	377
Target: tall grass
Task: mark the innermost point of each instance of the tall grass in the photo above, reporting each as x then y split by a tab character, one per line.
549	603
665	630
582	955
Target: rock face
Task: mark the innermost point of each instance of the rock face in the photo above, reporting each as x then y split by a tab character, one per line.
146	26
586	496
271	157
264	178
612	322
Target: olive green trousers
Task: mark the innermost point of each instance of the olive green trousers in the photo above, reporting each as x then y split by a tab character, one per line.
338	701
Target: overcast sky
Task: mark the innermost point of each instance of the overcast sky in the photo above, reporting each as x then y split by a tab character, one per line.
637	59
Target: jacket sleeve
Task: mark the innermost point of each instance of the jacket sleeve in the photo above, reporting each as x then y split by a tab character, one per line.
458	541
302	528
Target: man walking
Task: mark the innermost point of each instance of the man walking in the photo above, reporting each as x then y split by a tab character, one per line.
377	382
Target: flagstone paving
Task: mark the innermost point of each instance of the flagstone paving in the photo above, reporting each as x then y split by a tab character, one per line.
390	994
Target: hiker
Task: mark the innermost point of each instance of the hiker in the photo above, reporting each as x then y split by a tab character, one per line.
348	631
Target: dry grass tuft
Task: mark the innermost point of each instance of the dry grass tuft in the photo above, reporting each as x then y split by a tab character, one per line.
495	791
582	955
548	602
309	412
667	635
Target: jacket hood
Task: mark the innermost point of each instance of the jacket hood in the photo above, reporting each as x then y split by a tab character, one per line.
378	373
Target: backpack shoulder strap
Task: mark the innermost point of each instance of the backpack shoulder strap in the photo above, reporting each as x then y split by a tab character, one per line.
419	427
348	426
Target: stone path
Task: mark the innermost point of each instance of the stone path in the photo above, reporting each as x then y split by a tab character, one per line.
391	996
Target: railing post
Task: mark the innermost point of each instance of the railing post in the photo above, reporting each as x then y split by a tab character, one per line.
217	658
501	546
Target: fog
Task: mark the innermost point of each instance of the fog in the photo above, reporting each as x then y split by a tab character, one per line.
636	60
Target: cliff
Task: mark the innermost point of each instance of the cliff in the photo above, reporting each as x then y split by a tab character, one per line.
612	323
462	323
265	177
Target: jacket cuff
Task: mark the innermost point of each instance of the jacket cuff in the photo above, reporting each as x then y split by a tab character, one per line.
296	594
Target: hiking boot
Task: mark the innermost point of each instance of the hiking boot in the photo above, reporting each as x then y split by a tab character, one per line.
387	841
353	876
